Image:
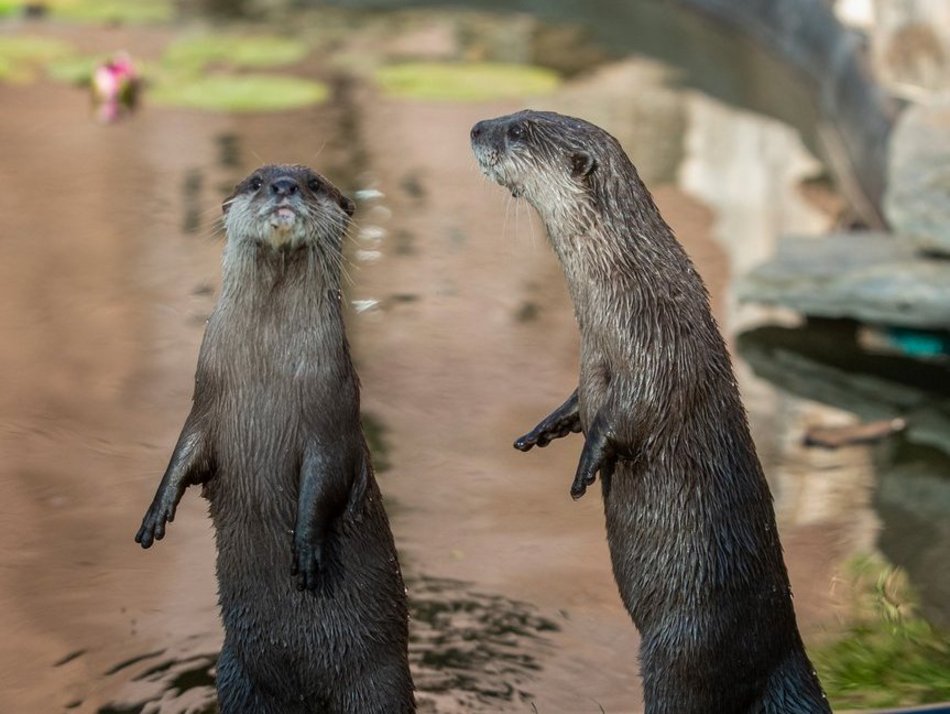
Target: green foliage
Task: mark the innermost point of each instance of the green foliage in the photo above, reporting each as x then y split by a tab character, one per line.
21	56
74	69
241	93
112	11
465	82
192	54
889	655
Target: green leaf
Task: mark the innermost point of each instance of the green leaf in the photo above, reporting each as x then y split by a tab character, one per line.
240	93
465	82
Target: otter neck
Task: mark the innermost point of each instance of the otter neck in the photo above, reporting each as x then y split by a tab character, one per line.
289	321
252	270
616	249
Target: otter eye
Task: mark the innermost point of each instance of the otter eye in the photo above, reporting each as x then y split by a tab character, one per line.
516	131
314	185
256	183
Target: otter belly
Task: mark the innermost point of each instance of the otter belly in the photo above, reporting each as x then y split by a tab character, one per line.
699	569
300	643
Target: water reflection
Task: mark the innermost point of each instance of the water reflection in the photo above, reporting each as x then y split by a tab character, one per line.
826	362
470	651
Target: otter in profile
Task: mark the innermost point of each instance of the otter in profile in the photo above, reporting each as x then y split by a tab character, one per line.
690	524
312	598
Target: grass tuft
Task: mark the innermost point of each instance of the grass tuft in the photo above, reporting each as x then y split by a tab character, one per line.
889	655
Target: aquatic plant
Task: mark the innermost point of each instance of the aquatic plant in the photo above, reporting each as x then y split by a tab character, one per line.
238	93
449	81
112	11
194	53
22	56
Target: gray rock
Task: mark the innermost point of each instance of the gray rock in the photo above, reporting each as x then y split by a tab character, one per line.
871	277
855	116
917	201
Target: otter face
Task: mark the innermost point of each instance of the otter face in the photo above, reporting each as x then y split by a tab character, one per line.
286	206
539	155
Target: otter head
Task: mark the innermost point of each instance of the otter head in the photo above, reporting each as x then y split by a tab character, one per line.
286	207
546	157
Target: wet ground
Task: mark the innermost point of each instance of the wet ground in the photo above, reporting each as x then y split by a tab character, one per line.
463	335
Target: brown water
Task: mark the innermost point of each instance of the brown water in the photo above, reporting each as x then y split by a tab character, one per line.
109	266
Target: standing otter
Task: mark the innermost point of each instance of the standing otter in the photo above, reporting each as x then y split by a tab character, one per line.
690	525
274	437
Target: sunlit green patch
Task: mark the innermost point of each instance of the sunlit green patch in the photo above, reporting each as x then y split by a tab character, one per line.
112	11
74	69
465	82
238	93
79	69
192	54
8	8
21	57
889	655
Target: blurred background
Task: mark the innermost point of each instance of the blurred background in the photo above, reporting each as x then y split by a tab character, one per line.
799	148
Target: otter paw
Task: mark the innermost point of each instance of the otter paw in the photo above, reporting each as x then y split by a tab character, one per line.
532	438
580	484
544	433
153	525
307	565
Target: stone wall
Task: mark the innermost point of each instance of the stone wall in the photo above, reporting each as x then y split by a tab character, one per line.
856	115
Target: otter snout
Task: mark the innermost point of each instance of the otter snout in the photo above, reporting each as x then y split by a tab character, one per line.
479	129
489	135
489	144
284	186
284	201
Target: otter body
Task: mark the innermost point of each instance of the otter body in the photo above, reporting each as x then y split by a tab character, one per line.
312	598
690	524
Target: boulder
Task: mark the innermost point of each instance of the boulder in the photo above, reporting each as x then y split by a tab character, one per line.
870	277
917	200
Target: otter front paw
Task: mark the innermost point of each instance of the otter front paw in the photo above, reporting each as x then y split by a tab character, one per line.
308	562
562	421
161	511
546	432
586	476
599	454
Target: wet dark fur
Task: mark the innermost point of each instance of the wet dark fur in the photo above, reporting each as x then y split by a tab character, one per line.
690	524
311	595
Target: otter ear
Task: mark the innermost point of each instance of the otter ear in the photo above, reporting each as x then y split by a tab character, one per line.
348	206
582	164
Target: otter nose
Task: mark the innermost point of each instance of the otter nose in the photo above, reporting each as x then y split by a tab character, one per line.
284	186
479	129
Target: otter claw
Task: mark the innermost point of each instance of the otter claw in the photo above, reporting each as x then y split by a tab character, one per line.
526	441
562	421
598	454
580	484
542	435
153	525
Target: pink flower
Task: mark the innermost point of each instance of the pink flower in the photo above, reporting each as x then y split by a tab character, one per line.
115	87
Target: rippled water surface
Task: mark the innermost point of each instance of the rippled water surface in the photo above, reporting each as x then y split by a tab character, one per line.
463	335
